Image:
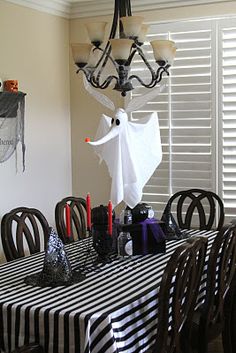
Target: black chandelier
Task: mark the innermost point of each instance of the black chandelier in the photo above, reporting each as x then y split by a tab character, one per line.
120	50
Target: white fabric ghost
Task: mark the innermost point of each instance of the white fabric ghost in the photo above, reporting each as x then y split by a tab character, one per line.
131	149
132	152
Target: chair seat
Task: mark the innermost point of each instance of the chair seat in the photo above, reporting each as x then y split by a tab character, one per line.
29	348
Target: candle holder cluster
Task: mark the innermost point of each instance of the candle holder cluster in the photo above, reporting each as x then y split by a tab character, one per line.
102	232
100	227
102	243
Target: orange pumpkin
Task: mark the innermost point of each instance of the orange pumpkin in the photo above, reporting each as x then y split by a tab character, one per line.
11	85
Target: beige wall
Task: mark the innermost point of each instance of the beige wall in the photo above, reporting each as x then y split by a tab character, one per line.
87	174
34	50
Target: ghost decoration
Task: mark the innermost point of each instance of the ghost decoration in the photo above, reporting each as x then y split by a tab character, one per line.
131	149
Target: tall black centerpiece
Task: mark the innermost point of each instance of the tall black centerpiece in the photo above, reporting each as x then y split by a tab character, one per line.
102	240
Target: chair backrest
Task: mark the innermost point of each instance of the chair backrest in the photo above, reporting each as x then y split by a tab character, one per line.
23	228
198	203
178	291
220	275
78	218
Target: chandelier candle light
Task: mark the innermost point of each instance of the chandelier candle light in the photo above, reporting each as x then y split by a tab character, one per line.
128	34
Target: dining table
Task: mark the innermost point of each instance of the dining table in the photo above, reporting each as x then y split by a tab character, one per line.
113	310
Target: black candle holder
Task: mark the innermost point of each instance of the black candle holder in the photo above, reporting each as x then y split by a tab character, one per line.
102	243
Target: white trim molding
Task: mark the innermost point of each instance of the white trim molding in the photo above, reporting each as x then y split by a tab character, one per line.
60	8
91	8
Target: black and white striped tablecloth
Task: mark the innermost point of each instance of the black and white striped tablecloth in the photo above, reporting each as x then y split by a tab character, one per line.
113	310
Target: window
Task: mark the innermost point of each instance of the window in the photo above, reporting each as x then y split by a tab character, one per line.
197	112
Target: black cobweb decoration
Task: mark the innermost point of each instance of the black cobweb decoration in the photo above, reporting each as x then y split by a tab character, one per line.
12	107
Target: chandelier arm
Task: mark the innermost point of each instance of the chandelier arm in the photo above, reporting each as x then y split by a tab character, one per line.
109	57
115	19
89	77
107	50
147	85
108	80
129	11
154	81
140	52
96	78
160	73
130	58
96	84
124	8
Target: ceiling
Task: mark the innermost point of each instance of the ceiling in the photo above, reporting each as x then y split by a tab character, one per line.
88	8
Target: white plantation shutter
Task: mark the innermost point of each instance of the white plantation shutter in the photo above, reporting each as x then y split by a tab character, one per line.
189	117
185	116
227	114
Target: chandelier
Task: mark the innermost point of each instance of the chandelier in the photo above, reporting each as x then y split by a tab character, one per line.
127	35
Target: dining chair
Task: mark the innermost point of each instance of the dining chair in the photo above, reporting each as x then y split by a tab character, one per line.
78	218
214	315
196	206
177	294
23	230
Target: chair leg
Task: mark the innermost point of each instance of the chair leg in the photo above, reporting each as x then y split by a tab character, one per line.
185	340
202	344
229	328
186	347
226	342
203	347
226	336
233	329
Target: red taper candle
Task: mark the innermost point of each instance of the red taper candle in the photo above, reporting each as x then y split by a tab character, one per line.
110	218
88	209
68	221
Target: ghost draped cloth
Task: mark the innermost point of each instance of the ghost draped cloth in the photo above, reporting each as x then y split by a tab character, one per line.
12	107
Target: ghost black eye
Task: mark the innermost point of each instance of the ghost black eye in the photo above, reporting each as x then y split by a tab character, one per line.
117	122
112	121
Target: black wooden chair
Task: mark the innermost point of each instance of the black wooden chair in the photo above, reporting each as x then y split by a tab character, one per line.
23	227
177	295
213	316
78	218
196	205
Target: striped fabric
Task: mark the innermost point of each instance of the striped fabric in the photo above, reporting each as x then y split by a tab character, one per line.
113	310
